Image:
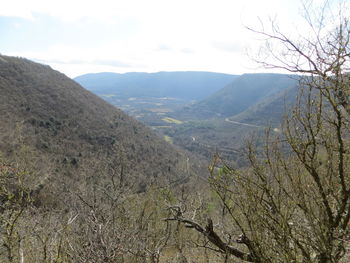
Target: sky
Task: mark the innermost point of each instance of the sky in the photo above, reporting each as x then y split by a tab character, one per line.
78	37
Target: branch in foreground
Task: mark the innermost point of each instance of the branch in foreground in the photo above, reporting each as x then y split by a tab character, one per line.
213	237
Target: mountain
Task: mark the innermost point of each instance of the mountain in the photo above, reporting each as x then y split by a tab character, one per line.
72	137
185	84
245	91
269	111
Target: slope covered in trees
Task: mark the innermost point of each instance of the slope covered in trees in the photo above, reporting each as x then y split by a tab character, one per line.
269	111
245	91
75	132
80	181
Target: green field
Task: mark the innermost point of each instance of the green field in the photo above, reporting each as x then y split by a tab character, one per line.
171	120
108	95
168	139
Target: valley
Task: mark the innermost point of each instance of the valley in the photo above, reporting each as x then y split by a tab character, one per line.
192	132
150	110
217	124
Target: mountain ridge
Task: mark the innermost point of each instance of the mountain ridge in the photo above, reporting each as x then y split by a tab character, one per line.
270	110
243	92
191	85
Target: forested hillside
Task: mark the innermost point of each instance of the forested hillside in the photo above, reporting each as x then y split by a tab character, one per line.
269	111
243	92
76	172
72	133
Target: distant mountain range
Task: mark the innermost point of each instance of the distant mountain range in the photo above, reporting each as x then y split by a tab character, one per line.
187	85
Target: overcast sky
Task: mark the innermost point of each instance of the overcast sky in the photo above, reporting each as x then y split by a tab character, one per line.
77	37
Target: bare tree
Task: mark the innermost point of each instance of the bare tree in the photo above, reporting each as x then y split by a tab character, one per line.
293	203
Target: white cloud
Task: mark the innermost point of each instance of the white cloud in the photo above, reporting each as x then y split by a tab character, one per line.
170	35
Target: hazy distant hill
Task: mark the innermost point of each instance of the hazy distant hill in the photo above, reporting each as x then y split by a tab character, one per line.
185	85
245	91
270	111
72	136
